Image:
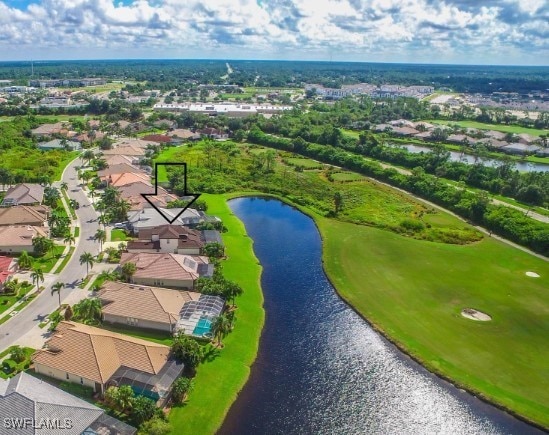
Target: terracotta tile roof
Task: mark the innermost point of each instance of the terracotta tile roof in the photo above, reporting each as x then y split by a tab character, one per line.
24	215
117	180
125	151
132	193
7	268
143	302
165	265
161	138
137	143
120	168
20	235
118	159
25	194
95	353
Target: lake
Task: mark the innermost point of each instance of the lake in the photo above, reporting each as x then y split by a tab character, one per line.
321	369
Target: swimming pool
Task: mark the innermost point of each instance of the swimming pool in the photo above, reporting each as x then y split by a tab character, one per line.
203	327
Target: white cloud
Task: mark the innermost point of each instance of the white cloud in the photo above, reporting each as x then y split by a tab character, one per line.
390	30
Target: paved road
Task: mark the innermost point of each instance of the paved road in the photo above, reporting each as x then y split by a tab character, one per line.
71	275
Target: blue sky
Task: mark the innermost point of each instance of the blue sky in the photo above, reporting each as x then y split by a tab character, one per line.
423	31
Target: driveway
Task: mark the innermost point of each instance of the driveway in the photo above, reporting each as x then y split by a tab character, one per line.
72	274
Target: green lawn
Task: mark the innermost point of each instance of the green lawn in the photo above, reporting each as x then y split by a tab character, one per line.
517	129
7	301
69	157
118	235
65	260
76	231
414	291
47	261
155	336
218	382
15	367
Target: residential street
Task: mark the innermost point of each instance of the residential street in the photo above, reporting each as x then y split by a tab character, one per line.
71	275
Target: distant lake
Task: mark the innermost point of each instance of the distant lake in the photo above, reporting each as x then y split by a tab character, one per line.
321	369
467	158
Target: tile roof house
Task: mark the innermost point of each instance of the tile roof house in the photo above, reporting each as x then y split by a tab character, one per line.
160	138
118	159
132	194
158	308
498	135
120	168
126	150
167	270
23	194
138	143
117	180
18	238
520	148
35	215
150	218
59	144
28	398
98	358
8	266
49	129
526	138
168	238
179	135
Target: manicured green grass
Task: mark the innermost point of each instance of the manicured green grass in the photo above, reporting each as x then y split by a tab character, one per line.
65	260
414	291
517	129
118	235
76	231
67	200
47	261
218	381
155	336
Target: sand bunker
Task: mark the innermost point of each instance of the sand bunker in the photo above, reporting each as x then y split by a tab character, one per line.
473	314
532	274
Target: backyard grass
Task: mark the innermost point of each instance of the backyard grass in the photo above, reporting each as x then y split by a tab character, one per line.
414	291
218	381
118	235
154	336
517	129
65	260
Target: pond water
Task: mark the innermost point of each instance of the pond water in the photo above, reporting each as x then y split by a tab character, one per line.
467	158
321	369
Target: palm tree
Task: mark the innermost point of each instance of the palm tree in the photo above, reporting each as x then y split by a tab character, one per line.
37	275
56	288
88	311
24	261
220	328
64	185
70	239
87	155
127	271
87	259
101	237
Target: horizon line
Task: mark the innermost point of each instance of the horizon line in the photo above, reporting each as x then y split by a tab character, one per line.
271	60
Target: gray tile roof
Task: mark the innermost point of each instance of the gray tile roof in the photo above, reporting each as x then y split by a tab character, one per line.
25	396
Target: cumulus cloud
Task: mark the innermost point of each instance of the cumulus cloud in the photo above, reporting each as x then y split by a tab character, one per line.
380	30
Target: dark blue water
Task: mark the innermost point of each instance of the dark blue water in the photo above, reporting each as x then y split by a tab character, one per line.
321	369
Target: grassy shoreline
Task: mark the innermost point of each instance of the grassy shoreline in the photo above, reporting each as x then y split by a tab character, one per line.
219	380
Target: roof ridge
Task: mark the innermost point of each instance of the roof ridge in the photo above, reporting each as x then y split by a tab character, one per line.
94	353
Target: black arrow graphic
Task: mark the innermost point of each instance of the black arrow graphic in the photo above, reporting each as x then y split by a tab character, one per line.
185	193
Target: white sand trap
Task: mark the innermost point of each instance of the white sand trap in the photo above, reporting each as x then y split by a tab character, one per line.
473	314
532	274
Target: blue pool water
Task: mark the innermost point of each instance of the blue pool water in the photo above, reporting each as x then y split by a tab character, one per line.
203	327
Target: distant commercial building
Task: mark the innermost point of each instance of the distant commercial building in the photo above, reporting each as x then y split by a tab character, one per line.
230	110
57	83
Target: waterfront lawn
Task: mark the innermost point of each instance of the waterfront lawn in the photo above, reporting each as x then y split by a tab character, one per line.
219	380
516	129
414	291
